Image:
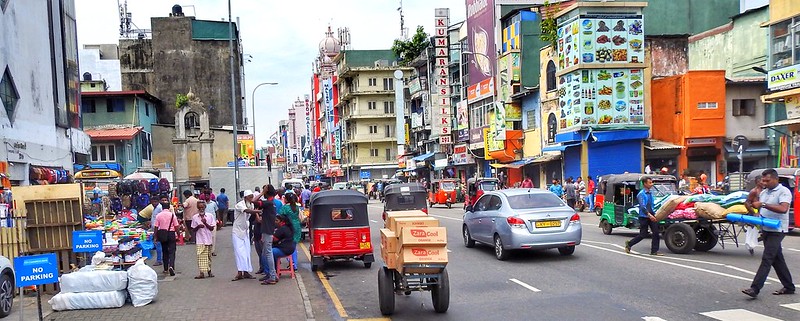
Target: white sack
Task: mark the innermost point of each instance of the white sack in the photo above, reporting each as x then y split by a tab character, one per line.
93	281
142	284
88	300
750	237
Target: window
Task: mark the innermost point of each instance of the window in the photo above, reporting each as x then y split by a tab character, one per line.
388	107
707	105
388	130
551	128
146	109
373	82
483	203
373	129
8	94
784	40
478	112
744	107
389	154
531	118
147	148
373	152
115	105
551	76
372	105
342	214
104	153
388	83
530	201
88	106
129	152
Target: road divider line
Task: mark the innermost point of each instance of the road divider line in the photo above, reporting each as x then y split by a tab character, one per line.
793	306
738	314
525	285
328	288
652	319
669	263
447	218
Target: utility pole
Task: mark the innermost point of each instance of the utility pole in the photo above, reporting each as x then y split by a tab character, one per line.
233	105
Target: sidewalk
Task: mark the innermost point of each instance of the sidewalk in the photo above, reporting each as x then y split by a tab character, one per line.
183	298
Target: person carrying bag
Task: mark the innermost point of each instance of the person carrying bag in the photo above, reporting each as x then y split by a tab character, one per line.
166	225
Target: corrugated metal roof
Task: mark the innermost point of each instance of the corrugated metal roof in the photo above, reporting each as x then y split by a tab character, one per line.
113	134
655	144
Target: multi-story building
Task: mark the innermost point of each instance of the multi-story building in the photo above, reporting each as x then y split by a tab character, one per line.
186	54
41	121
102	64
366	100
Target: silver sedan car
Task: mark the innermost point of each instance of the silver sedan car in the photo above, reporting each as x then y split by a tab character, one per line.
522	219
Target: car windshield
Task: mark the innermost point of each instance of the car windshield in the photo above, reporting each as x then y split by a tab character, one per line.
448	186
529	201
488	186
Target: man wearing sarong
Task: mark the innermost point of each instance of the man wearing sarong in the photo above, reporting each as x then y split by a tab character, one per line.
203	225
240	235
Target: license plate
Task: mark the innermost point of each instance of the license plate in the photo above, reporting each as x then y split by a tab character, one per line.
365	246
548	224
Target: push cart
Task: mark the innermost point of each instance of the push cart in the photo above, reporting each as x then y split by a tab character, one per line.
415	277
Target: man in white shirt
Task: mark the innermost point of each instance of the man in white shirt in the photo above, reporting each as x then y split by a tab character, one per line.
240	236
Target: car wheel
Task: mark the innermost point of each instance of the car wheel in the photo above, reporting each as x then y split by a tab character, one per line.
499	252
606	226
6	295
468	241
566	250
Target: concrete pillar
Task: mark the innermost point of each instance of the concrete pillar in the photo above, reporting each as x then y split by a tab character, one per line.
206	156
181	160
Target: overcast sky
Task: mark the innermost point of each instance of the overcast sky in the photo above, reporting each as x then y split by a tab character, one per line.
282	36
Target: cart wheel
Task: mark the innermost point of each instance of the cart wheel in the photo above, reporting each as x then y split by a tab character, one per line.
706	238
499	252
386	291
367	265
441	293
680	238
606	226
468	241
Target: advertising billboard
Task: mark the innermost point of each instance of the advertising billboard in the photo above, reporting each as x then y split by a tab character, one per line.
246	146
480	33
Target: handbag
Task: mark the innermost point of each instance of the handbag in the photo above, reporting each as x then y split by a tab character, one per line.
166	235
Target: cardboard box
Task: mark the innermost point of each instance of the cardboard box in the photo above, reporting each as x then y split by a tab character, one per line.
390	216
398	223
431	254
389	259
389	241
423	236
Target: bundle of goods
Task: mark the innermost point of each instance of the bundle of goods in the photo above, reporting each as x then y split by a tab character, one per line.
142	284
699	206
688	214
668	206
91	290
710	211
413	238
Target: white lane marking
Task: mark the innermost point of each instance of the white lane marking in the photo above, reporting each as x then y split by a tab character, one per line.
690	260
738	315
373	221
445	217
793	306
525	285
652	319
669	263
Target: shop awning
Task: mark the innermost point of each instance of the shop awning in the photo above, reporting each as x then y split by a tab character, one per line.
784	122
614	135
113	134
514	164
546	158
559	148
423	157
760	148
380	166
778	95
655	144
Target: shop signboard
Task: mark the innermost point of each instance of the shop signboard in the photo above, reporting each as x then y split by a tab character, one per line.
784	78
246	145
792	106
601	97
499	132
461	155
509	74
601	39
337	140
491	141
481	90
442	121
414	86
462	121
476	137
480	33
317	151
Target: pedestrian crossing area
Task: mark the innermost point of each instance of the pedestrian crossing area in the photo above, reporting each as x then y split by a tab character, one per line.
747	315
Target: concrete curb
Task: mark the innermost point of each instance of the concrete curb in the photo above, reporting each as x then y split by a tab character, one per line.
304	294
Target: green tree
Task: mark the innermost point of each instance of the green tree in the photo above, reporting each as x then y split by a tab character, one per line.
549	25
408	50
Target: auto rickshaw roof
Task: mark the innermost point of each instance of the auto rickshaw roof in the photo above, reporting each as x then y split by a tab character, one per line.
334	197
491	179
405	188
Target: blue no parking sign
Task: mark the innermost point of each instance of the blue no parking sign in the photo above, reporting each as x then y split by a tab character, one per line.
36	269
87	241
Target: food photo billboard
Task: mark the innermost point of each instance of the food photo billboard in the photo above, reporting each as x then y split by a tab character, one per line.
480	26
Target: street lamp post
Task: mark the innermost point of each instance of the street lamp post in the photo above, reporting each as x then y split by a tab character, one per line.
253	104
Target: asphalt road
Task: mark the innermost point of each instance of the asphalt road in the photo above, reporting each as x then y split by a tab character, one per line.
598	282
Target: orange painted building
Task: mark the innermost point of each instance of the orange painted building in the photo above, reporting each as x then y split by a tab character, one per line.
689	110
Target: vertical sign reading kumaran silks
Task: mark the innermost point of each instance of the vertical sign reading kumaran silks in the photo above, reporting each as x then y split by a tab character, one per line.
441	98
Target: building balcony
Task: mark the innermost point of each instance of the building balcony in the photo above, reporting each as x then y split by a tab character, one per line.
350	94
369	115
370	138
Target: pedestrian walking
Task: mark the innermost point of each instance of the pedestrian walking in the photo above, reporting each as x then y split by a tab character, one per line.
556	188
773	202
527	182
590	191
647	219
189	210
569	192
292	210
241	242
203	224
305	195
166	227
223	204
267	219
580	186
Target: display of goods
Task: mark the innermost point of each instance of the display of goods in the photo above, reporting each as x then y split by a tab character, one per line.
668	207
142	284
163	185
93	281
152	185
736	209
434	254
400	223
423	236
735	196
392	215
755	220
88	300
710	211
699	198
389	242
